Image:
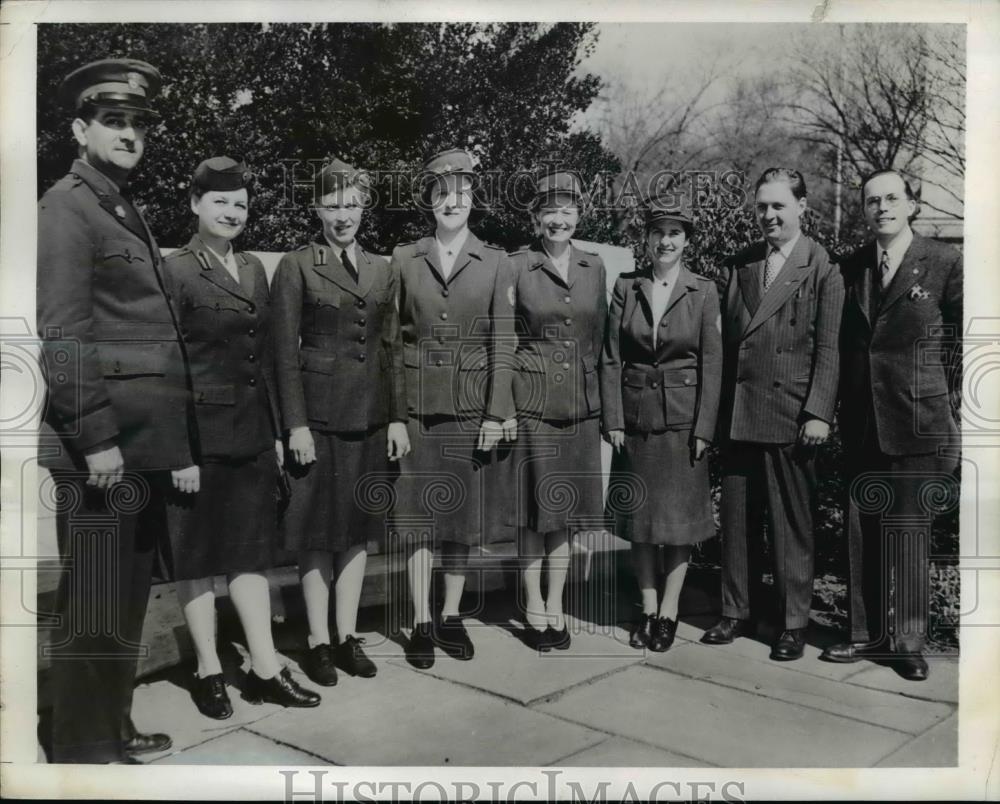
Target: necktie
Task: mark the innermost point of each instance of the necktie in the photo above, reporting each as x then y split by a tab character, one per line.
883	269
349	265
771	268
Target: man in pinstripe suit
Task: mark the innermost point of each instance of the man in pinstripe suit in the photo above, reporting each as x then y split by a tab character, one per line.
780	319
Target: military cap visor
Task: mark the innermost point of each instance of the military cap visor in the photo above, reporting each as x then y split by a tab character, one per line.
221	174
118	83
552	185
454	161
657	212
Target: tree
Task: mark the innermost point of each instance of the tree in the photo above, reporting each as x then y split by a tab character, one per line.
381	96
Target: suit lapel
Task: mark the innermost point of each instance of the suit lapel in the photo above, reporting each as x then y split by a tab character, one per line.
471	250
327	264
749	278
215	272
111	200
910	271
685	284
542	261
427	250
796	268
643	287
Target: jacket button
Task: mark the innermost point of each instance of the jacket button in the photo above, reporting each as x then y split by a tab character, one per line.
118	368
362	339
566	299
362	322
437	362
444	292
361	358
778	350
777	383
251	357
201	397
566	366
568	321
444	316
656	363
361	303
252	332
792	322
655	385
253	382
687	380
663	323
251	308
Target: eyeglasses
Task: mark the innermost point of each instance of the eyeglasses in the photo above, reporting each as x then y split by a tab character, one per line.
891	200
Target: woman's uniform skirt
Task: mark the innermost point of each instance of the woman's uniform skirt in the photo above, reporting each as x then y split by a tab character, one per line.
343	497
447	488
230	524
656	495
556	470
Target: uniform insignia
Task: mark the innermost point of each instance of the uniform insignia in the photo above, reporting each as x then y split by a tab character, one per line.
321	256
510	295
133	80
203	259
120	211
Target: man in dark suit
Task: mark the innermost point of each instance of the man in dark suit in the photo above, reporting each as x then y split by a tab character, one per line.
116	420
900	384
780	319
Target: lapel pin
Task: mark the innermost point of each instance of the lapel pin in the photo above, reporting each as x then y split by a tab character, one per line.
917	293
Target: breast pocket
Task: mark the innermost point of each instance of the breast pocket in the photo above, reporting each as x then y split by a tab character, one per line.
323	310
122	253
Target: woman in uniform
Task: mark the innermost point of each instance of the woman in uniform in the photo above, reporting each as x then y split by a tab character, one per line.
343	405
228	527
560	302
455	307
661	373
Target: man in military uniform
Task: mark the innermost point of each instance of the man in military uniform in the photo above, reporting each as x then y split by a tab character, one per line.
115	428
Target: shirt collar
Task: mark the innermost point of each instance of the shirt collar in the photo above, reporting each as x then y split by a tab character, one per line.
350	249
223	258
671	277
897	248
786	249
456	244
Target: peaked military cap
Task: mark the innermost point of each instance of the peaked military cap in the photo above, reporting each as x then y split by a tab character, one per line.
557	182
450	162
669	208
121	83
221	174
337	175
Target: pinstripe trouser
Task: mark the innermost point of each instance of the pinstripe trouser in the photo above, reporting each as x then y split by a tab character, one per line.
773	483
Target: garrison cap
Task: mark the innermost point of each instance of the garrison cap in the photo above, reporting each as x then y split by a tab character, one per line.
120	83
221	174
450	162
669	208
557	182
338	175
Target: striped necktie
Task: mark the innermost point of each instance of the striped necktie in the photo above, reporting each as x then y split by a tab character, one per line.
883	270
771	268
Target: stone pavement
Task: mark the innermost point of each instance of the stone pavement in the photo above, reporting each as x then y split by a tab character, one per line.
598	704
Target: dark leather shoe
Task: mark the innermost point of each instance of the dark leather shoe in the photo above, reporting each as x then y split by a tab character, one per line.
210	696
557	640
147	744
790	645
642	632
320	665
420	648
535	638
280	689
352	658
847	652
911	666
664	631
450	635
725	631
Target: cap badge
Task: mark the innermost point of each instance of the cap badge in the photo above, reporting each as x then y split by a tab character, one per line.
133	80
447	167
246	175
